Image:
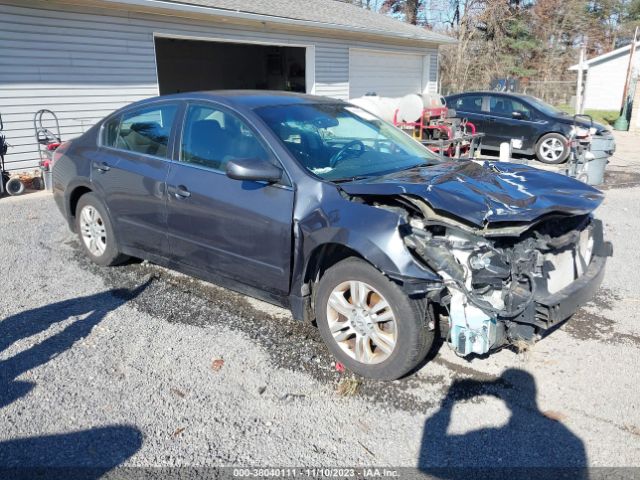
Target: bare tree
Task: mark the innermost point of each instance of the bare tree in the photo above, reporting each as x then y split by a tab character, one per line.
532	40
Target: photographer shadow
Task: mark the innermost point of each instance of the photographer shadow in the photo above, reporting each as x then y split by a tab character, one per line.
82	454
530	445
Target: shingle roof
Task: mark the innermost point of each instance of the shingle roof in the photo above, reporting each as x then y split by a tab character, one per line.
324	13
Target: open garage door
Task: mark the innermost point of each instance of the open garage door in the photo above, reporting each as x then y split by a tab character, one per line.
194	65
387	74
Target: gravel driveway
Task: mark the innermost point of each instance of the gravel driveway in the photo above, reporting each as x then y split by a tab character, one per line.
139	366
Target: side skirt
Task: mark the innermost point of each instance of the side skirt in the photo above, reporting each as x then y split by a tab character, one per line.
219	280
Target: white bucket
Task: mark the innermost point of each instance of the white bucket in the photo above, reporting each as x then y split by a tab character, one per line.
48	180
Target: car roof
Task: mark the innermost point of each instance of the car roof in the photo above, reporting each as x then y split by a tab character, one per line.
250	99
491	92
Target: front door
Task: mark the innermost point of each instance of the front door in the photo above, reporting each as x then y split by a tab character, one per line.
514	120
130	170
239	229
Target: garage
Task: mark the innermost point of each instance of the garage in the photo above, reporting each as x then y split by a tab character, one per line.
388	74
192	65
85	61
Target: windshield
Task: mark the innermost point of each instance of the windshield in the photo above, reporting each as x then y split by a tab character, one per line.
341	142
544	107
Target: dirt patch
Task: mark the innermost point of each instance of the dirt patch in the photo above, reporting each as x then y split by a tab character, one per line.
605	299
616	178
585	325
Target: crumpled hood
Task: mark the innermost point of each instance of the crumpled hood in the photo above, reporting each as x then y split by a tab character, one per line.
483	194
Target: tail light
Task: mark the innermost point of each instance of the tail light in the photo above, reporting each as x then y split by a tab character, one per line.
59	152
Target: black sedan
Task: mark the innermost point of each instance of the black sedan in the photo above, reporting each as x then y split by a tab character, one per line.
318	206
536	127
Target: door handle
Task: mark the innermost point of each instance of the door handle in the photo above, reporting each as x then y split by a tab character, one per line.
181	192
102	167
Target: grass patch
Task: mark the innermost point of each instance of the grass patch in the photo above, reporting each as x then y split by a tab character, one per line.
601	116
348	387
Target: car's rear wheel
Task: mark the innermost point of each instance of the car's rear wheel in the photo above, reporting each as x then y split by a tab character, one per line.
552	148
95	231
369	323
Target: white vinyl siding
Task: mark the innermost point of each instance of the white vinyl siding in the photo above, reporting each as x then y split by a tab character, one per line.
85	62
605	82
434	70
391	74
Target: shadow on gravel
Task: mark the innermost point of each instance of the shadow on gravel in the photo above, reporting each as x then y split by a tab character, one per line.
88	454
530	445
100	448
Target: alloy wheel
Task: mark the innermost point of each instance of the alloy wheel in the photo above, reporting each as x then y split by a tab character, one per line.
552	149
94	233
362	322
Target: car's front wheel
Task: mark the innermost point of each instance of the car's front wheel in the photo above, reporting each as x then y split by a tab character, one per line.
552	148
369	323
95	231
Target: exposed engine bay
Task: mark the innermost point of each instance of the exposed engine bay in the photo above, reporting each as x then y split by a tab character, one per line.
502	285
514	255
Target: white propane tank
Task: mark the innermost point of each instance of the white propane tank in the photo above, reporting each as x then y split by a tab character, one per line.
433	100
409	107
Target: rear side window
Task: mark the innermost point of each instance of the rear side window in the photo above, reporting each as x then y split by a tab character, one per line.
144	131
469	103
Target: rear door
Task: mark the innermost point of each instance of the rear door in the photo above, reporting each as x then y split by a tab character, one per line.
130	173
239	229
514	120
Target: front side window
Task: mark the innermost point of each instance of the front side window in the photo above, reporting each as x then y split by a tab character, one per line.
505	106
211	137
110	132
145	131
544	107
340	141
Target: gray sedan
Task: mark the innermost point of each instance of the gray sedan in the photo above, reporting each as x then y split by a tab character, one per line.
319	206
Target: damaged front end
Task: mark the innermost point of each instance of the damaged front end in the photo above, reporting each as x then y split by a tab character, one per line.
507	284
517	249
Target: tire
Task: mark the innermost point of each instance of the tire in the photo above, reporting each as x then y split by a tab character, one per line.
552	149
409	327
93	222
37	183
14	187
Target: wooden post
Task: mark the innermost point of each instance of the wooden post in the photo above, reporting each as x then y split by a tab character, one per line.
579	99
625	92
622	124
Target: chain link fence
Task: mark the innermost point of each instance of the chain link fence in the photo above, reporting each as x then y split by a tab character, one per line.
555	92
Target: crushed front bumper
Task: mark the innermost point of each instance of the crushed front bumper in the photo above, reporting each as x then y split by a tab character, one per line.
548	310
555	308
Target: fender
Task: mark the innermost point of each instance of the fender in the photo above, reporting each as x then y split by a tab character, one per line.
372	233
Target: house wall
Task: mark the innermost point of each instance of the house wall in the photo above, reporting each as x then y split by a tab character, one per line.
85	62
605	82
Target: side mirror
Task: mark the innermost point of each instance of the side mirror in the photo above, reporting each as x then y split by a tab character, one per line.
519	115
253	169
